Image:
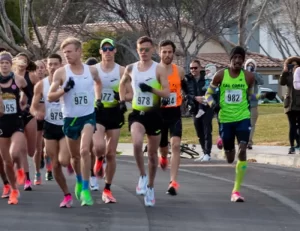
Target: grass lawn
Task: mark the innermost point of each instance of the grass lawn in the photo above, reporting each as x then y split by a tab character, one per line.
271	128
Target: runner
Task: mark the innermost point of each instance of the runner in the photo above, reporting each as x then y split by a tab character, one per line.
77	81
111	118
12	139
171	113
6	186
55	142
236	88
26	69
38	155
94	185
149	83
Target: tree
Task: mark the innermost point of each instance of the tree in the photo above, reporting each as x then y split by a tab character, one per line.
283	24
46	38
189	23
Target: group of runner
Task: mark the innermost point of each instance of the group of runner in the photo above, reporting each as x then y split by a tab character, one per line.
79	110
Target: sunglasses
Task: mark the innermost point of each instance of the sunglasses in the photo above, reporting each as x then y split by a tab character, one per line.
193	68
104	49
144	49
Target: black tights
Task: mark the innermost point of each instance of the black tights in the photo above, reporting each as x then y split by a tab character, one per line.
294	122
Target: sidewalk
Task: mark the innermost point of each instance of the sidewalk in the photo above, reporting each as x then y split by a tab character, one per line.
275	155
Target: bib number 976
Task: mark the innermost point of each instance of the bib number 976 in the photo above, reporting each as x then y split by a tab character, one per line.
80	100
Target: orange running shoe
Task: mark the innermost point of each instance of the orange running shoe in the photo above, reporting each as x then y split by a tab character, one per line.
163	161
6	191
20	176
13	197
98	168
107	197
173	187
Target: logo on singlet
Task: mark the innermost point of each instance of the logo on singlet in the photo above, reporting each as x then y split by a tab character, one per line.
113	80
149	79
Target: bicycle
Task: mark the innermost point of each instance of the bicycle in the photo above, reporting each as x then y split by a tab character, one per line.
185	151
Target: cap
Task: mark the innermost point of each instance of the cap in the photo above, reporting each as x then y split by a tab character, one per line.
107	40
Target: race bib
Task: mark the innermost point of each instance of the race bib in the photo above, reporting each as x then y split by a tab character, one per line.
80	99
233	96
55	114
145	99
10	106
172	99
108	95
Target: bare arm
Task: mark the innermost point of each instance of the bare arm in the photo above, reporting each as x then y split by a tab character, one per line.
21	83
163	79
37	95
125	84
98	84
54	93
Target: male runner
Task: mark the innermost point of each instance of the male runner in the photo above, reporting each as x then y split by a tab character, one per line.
111	118
236	89
77	82
55	142
171	114
149	83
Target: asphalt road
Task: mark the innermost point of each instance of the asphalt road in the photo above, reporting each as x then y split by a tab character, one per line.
203	203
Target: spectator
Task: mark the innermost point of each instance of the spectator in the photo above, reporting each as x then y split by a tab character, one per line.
195	96
291	100
296	79
250	65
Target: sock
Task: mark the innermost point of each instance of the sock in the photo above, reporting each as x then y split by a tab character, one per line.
68	194
85	185
92	172
240	170
107	186
38	174
27	176
5	182
79	178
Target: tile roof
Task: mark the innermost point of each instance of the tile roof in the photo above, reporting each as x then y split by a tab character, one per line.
221	60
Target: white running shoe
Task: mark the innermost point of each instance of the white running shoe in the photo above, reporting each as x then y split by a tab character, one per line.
94	185
206	158
199	158
149	198
142	185
200	113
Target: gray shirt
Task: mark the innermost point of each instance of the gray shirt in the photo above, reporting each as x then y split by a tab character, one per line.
258	81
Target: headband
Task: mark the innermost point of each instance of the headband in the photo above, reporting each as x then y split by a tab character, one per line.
6	57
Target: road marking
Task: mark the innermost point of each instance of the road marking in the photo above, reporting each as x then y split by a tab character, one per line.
282	199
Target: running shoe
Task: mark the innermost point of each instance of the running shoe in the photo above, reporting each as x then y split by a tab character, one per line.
37	179
13	197
49	176
86	198
70	169
173	187
78	189
149	198
67	202
107	197
163	161
27	185
98	168
141	188
94	186
20	176
6	191
236	197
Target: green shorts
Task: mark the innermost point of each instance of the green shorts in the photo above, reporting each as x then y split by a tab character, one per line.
73	126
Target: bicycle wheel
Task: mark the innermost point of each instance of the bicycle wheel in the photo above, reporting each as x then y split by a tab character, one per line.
188	151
